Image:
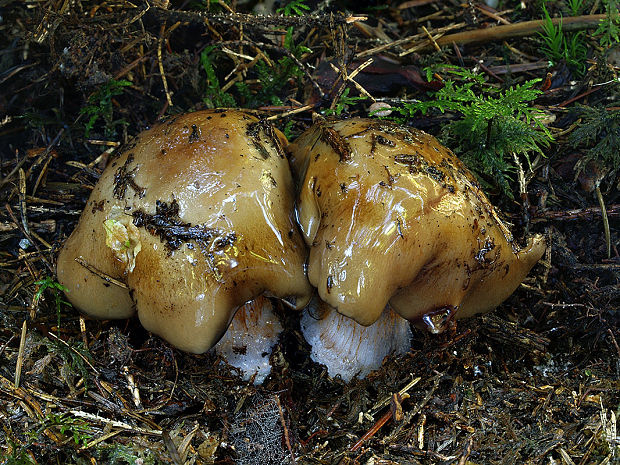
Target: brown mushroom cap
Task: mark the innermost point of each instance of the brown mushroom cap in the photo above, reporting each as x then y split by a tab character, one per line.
391	215
196	216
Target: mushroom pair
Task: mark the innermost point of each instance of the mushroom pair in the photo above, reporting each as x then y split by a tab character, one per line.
196	218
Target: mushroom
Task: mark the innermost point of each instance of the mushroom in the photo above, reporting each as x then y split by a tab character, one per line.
196	217
392	216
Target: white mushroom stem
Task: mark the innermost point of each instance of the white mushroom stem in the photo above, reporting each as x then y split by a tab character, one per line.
348	348
248	342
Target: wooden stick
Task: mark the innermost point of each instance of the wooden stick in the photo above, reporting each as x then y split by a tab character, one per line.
372	431
513	30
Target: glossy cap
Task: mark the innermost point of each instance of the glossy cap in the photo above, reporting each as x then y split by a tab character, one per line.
393	216
196	216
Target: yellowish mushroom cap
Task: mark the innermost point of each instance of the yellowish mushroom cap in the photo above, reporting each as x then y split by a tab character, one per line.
393	216
196	217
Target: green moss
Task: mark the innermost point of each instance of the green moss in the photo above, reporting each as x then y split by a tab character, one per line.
491	126
100	107
599	132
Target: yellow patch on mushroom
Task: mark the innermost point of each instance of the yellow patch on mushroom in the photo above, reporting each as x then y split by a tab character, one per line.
123	238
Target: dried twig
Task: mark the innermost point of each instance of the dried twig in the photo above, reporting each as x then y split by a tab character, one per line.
285	429
587	213
601	203
291	112
20	355
107	278
509	332
161	65
513	30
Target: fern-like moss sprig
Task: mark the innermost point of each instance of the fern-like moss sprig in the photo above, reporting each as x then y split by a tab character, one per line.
215	97
599	132
48	283
294	8
609	27
488	151
100	107
492	127
343	103
273	79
